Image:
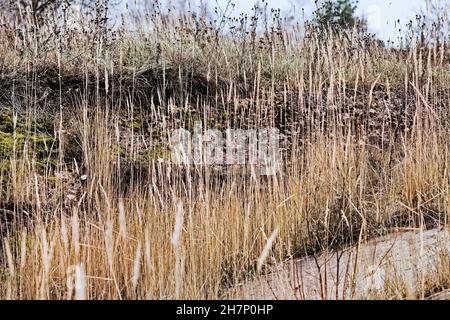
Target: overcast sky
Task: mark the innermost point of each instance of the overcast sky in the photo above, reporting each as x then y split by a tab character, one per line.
380	14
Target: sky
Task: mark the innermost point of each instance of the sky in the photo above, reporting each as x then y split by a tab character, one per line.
380	14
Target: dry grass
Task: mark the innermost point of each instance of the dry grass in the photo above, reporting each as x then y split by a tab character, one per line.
90	206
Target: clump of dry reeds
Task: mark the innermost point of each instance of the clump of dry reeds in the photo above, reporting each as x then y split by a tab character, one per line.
91	207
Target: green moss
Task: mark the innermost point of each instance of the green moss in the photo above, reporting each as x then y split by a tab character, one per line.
114	150
25	136
34	144
24	122
157	152
135	122
6	122
7	143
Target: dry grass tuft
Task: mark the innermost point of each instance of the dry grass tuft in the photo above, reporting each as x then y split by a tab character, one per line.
92	208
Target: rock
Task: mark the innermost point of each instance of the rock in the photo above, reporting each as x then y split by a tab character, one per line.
373	270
